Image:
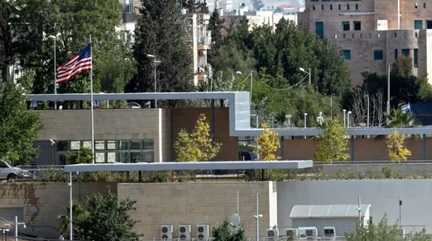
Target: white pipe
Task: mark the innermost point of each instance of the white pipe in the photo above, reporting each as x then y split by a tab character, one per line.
70	207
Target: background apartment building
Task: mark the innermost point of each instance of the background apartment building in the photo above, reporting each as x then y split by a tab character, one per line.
373	34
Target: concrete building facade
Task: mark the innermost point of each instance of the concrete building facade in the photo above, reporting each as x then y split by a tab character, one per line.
373	34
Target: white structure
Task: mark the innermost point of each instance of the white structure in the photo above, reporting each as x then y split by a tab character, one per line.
271	18
329	220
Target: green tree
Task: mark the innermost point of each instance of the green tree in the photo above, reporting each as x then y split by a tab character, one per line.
228	232
161	31
399	119
332	143
18	126
383	231
198	145
396	147
102	217
82	156
268	144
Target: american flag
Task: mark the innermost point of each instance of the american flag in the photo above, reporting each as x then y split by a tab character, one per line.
80	63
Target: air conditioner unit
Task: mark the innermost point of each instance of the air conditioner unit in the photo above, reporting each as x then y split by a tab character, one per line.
308	233
203	232
184	232
272	234
291	234
329	233
167	232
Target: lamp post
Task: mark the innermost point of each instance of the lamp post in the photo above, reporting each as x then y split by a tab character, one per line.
348	118
309	73
155	63
305	119
54	38
16	227
344	117
368	104
257	217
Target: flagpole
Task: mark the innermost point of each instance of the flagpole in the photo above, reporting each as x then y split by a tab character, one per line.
92	100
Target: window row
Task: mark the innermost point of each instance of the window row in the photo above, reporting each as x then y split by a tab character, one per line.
100	145
378	55
422	24
356	26
339	7
116	156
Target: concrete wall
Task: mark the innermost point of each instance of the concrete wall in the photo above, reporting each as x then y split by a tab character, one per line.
384	195
219	124
43	203
196	203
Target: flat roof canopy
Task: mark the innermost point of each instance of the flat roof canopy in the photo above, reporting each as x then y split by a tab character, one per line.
189	166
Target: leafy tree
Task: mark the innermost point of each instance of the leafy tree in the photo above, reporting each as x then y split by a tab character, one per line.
333	144
161	31
18	126
198	145
102	217
228	232
383	231
82	156
396	147
268	144
399	119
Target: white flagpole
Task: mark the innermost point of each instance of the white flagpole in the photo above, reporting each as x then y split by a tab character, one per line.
92	100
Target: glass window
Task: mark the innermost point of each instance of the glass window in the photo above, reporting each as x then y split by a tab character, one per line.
124	157
346	26
418	24
378	55
348	7
319	29
357	25
416	58
111	157
75	145
346	54
100	157
429	24
396	53
357	7
331	6
3	165
339	7
135	144
136	157
406	52
86	144
112	145
100	145
124	145
62	146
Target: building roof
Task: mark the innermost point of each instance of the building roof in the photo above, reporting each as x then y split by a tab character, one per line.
328	211
239	111
181	166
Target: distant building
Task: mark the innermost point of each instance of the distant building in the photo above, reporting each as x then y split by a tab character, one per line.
271	18
373	34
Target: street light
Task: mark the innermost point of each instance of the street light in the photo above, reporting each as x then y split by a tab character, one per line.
155	63
367	121
344	117
348	118
309	73
305	119
257	217
54	38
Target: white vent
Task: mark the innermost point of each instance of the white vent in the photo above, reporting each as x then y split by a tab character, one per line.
166	232
203	232
184	232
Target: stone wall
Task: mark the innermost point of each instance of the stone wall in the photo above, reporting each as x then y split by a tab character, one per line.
198	203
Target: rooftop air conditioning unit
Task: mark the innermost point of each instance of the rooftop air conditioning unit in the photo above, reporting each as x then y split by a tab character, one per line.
291	234
272	234
166	232
308	233
184	232
203	232
329	233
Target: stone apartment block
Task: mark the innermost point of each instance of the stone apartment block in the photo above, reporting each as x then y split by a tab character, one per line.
373	34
